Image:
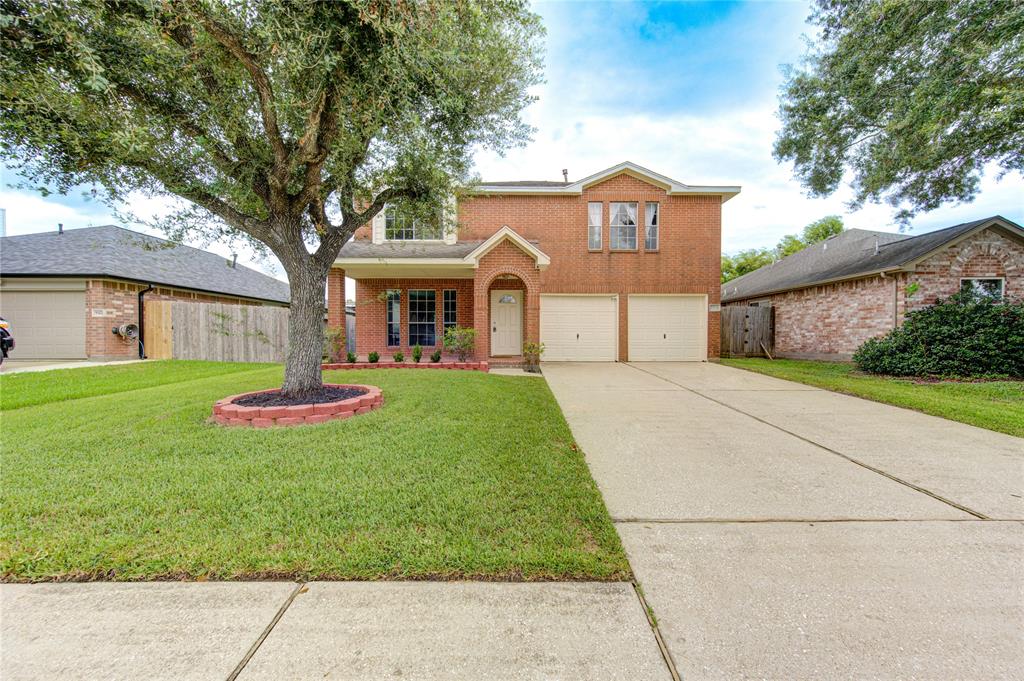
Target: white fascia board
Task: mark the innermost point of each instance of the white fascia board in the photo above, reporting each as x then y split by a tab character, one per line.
668	184
400	262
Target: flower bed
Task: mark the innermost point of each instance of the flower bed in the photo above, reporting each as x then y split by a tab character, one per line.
464	366
227	413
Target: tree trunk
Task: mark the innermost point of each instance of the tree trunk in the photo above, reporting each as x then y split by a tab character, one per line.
305	330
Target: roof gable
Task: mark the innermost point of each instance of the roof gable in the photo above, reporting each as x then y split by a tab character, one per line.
506	233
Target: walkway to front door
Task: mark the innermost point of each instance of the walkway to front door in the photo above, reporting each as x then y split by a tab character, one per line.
785	532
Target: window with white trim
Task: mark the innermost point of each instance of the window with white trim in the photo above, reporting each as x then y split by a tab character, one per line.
450	304
394	311
651	214
983	287
422	318
399	226
622	226
594	211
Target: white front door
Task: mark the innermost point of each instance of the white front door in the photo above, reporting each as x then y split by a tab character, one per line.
506	323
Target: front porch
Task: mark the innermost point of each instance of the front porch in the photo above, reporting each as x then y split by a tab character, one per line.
402	302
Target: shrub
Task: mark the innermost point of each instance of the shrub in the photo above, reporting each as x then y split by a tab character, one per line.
531	355
435	356
399	356
373	357
351	358
417	353
962	336
334	343
460	340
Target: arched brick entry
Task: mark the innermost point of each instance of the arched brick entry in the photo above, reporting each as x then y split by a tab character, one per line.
505	260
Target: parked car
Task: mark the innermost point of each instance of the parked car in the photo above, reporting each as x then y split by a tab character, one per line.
6	339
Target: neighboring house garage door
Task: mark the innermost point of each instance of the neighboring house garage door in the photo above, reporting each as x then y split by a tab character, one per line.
579	328
668	328
45	324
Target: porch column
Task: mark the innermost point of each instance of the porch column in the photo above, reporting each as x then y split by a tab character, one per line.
481	318
336	297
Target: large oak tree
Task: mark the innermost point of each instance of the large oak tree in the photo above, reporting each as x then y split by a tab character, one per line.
288	123
911	100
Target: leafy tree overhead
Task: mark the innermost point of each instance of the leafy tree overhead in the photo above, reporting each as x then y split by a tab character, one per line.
913	99
788	245
744	262
290	124
819	230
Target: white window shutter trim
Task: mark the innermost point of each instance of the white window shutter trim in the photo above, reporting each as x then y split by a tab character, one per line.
378	228
451	216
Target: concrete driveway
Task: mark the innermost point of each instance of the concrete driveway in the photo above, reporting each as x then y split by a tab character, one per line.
783	531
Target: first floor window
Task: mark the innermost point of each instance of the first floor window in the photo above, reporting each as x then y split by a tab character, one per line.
421	318
983	288
594	209
394	310
651	226
622	226
451	308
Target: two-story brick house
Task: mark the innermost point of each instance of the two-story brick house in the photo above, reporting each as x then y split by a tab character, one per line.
621	265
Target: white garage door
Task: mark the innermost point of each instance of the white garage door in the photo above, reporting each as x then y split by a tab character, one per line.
45	324
579	328
668	328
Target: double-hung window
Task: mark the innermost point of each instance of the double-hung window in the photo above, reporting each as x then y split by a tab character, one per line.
594	210
394	310
400	226
451	308
651	215
983	288
622	226
422	318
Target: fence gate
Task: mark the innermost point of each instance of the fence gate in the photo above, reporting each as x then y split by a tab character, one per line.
748	331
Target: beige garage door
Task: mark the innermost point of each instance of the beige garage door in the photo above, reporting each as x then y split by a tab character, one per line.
45	324
668	328
579	328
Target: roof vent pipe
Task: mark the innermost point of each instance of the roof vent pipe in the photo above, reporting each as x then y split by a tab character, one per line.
565	174
876	245
234	260
60	228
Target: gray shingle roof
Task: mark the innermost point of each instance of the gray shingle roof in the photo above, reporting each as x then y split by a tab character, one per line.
364	248
526	183
844	256
119	253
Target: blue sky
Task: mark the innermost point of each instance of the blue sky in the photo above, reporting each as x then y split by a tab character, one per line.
688	89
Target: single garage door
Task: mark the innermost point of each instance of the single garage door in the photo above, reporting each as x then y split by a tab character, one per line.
45	324
668	328
579	328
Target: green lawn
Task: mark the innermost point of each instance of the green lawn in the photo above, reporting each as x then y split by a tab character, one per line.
996	405
460	475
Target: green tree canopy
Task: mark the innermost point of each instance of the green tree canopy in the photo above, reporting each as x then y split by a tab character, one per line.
913	99
288	123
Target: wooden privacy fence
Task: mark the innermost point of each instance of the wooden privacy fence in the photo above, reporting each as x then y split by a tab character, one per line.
748	331
175	329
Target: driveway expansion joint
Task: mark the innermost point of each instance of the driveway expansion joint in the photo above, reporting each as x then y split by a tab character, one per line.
301	587
648	613
906	483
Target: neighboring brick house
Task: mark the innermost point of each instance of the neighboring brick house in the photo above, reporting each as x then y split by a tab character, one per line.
831	297
64	291
621	265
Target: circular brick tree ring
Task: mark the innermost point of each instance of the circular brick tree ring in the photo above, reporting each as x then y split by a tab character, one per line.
227	413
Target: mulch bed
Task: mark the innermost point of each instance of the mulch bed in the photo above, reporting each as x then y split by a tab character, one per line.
276	399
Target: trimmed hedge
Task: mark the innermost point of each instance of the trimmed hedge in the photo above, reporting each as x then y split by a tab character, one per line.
962	336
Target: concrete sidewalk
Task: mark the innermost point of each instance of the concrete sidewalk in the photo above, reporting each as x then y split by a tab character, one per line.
783	531
336	630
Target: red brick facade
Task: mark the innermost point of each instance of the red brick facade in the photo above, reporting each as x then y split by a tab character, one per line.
833	320
687	261
110	303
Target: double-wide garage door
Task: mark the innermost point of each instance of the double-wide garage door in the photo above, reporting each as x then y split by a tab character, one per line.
661	328
45	324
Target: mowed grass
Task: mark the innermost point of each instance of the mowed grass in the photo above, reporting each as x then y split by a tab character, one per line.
459	475
995	405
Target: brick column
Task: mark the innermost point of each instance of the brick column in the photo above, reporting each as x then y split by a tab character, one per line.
336	297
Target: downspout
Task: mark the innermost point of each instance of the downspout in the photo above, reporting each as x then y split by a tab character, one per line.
142	321
895	301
